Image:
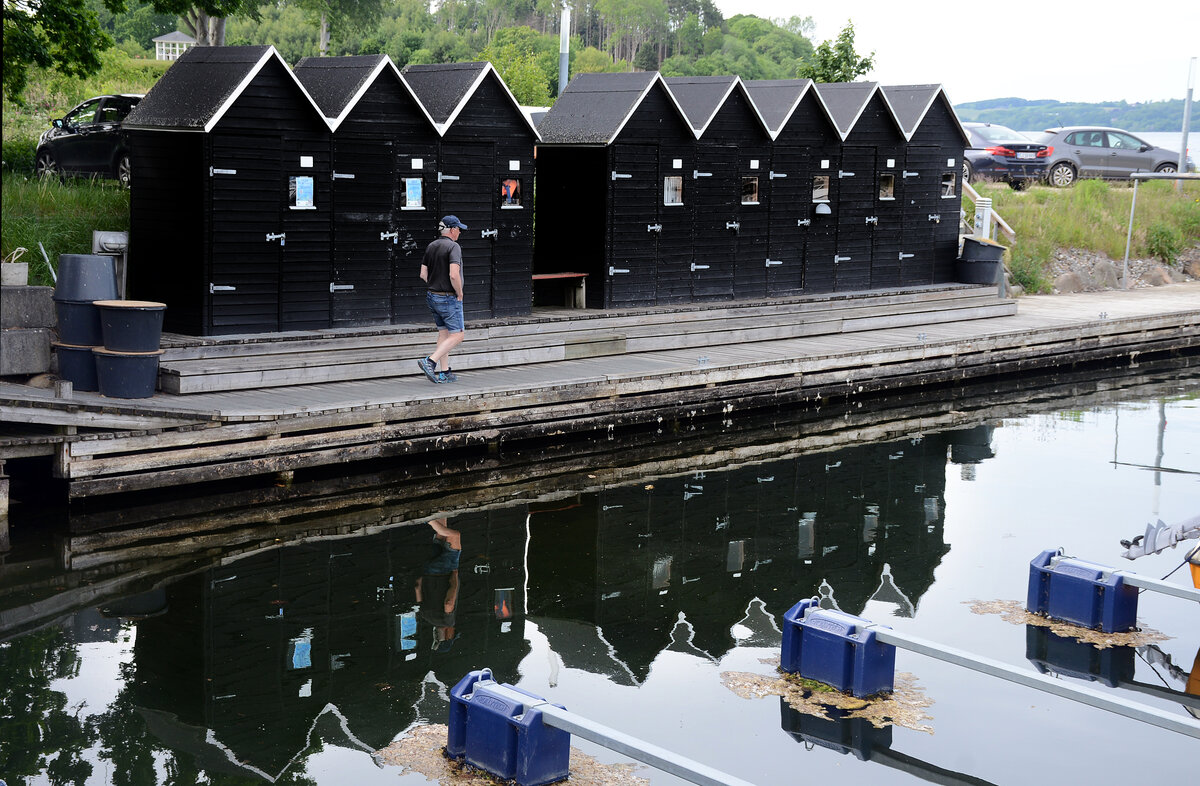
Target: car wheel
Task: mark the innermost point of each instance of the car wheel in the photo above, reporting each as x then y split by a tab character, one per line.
967	172
1062	175
124	171
45	166
1016	185
1168	168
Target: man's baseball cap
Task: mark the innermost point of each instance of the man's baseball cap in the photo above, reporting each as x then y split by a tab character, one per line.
452	222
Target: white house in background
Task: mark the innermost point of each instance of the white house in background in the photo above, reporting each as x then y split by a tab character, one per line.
172	45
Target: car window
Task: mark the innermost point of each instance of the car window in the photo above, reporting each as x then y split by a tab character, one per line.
1123	141
994	134
109	113
1086	139
84	113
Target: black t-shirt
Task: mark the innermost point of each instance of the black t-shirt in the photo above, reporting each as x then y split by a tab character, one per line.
439	256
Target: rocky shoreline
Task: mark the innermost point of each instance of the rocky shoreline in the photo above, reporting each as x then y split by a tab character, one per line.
1076	270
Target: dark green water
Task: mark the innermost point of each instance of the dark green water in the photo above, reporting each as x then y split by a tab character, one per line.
288	638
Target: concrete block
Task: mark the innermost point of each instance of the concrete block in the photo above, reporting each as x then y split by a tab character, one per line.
27	307
24	351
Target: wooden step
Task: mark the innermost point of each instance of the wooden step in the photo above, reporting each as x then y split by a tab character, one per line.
337	359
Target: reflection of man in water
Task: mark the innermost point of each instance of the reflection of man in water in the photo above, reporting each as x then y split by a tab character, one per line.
437	588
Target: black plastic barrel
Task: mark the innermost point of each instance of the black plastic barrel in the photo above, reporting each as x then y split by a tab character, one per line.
131	325
78	323
979	250
86	277
77	365
126	374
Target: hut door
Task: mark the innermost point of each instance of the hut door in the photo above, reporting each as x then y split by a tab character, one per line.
243	285
634	196
889	202
856	219
824	186
715	227
466	190
512	247
306	270
920	184
364	232
789	184
677	193
414	220
753	226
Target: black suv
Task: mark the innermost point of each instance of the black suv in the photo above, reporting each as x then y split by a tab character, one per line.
88	140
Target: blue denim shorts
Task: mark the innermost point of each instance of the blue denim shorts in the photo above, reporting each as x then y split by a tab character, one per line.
447	311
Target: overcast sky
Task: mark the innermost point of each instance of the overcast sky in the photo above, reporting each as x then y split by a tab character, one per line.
1097	51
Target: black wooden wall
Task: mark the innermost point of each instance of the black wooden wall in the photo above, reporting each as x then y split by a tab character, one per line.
934	152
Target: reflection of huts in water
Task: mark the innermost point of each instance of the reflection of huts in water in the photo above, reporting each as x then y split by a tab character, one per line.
615	186
730	182
253	655
485	177
384	187
230	206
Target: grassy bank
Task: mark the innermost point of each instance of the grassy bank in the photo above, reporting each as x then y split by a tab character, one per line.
61	216
1093	216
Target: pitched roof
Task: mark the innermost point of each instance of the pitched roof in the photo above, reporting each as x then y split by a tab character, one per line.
175	37
444	89
337	84
776	100
701	97
845	102
595	107
911	103
198	89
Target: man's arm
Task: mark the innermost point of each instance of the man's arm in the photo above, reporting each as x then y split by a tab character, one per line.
456	279
424	272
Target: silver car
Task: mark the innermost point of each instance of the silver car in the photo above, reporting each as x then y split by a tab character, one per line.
1096	151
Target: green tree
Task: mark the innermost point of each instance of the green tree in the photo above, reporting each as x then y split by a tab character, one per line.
837	61
340	15
61	34
520	70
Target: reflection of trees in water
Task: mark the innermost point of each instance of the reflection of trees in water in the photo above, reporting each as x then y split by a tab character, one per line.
39	732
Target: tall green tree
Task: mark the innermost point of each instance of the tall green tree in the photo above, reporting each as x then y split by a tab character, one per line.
837	61
205	19
341	15
61	34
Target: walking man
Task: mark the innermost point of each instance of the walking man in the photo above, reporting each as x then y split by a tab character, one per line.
441	270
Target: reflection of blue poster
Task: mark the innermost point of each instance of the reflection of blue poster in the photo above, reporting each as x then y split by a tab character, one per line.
412	197
406	631
304	191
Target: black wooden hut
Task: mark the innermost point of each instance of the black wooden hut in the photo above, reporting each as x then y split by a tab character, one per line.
230	206
384	186
932	185
485	177
732	186
802	230
866	208
615	178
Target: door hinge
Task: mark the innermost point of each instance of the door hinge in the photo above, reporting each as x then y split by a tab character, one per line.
804	222
696	174
654	227
904	256
935	218
774	262
392	236
842	173
342	176
492	233
442	178
734	225
218	288
612	271
619	176
773	174
873	220
906	173
837	259
340	287
696	267
214	171
280	236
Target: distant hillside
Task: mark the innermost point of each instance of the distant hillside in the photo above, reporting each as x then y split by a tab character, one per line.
1024	115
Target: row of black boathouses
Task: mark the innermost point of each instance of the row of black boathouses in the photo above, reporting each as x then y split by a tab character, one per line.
270	199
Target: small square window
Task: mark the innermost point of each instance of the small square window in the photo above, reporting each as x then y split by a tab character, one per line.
821	188
300	192
673	190
413	197
887	186
948	185
750	190
510	192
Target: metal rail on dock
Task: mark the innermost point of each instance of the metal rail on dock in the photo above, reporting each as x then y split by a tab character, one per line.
1004	671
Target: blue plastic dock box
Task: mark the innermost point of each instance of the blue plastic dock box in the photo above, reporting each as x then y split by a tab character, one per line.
1082	593
837	649
505	737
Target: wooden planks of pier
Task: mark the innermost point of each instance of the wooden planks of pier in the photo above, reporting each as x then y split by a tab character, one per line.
533	379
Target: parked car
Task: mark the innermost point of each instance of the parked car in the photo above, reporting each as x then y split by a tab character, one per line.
1096	151
88	141
999	153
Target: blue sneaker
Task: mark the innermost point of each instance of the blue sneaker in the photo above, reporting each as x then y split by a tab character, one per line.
446	376
429	368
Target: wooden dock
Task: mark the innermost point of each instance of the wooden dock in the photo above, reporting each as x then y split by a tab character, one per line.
295	401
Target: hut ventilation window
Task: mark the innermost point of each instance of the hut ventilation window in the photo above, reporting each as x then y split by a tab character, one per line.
414	193
948	185
673	190
300	193
750	190
887	186
820	188
510	193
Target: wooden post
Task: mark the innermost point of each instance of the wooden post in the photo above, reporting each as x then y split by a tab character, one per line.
5	544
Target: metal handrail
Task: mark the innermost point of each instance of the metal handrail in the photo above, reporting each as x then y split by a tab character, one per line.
1138	177
1008	231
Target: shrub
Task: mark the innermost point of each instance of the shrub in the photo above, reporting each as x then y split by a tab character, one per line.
19	155
1164	241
